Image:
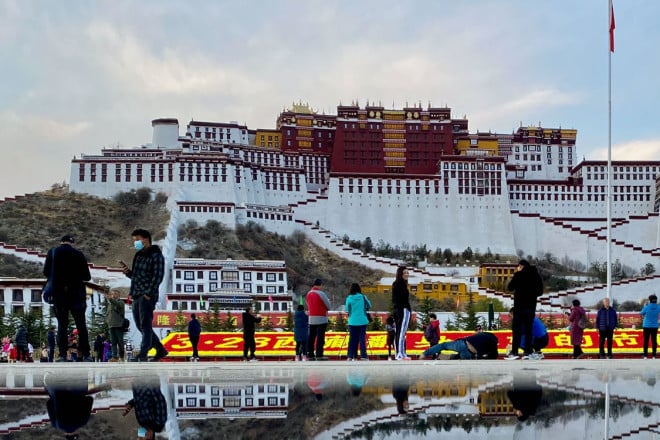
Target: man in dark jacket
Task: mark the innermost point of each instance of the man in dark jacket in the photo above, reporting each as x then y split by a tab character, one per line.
527	287
149	404
606	322
146	274
249	327
70	271
194	330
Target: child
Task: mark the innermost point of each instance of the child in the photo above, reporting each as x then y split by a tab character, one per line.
391	335
300	332
433	333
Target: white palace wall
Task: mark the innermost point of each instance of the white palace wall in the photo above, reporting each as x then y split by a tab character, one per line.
417	219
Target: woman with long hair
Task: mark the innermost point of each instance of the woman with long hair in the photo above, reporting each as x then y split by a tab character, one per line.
357	306
401	311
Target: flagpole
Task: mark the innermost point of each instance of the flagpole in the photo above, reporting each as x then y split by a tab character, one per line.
609	150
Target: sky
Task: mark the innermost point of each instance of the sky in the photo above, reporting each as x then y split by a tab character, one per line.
78	76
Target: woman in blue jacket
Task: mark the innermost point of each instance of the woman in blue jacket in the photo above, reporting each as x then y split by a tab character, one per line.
357	306
650	314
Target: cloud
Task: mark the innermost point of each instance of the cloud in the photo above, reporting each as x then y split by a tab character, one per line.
132	65
636	150
39	127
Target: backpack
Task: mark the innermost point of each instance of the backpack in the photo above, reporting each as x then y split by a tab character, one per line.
583	322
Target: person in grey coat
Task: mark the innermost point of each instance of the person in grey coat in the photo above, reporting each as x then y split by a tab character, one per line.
115	313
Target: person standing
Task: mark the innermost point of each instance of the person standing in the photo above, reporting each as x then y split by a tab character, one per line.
540	338
70	271
432	330
194	330
21	339
146	274
650	314
575	317
249	326
401	311
357	306
318	305
98	347
606	322
300	332
51	343
527	286
115	312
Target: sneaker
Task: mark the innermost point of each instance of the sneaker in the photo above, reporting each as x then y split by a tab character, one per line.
321	358
304	358
511	357
245	359
61	359
349	359
403	358
114	360
87	359
364	359
526	357
254	360
423	357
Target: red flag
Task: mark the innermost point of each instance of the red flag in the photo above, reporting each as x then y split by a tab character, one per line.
612	26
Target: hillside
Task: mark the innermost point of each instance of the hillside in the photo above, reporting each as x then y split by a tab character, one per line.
101	227
305	261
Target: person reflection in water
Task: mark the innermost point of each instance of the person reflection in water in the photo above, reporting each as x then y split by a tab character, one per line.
150	407
400	389
70	402
525	396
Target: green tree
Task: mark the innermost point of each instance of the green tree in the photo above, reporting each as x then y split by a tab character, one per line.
229	323
340	323
448	255
648	269
212	322
180	322
470	322
467	253
425	307
288	325
266	325
376	325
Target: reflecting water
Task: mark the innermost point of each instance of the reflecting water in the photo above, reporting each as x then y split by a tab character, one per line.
332	400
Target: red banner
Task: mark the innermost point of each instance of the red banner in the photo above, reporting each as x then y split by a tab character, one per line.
282	344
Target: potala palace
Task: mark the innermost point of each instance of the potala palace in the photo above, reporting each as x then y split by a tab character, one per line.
413	175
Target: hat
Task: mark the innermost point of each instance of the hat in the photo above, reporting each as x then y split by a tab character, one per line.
523	263
67	239
318	282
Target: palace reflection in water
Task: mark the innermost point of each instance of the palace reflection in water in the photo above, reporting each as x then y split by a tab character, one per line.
333	400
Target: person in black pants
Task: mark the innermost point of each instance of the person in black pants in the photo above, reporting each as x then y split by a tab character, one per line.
606	322
527	287
401	311
249	324
69	270
194	330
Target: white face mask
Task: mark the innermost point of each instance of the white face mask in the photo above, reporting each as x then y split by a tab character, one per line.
138	245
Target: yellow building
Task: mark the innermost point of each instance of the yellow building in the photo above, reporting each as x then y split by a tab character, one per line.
267	138
456	291
496	275
479	144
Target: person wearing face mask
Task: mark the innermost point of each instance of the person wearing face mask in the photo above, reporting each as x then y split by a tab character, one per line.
146	274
